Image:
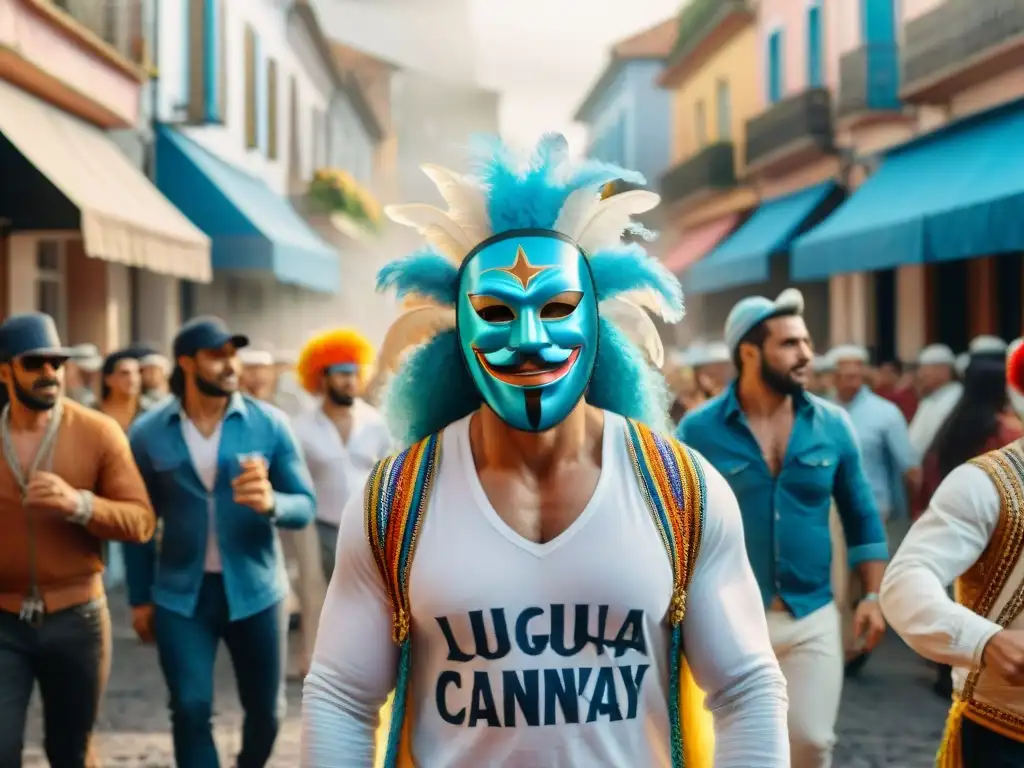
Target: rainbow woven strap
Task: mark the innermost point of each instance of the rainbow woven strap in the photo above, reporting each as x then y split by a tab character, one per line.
670	480
672	483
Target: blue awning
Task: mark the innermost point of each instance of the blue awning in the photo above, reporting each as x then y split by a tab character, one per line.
953	195
743	258
251	227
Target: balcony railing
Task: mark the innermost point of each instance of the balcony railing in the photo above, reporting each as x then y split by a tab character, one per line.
949	36
869	80
698	18
804	118
119	23
711	168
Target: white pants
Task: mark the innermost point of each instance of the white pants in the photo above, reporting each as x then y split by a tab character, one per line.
810	654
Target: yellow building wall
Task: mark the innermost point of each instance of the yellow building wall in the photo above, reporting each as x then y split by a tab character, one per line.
737	63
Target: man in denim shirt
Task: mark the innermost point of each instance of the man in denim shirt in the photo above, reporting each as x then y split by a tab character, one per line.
224	471
786	453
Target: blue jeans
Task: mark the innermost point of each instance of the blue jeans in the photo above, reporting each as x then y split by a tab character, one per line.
188	650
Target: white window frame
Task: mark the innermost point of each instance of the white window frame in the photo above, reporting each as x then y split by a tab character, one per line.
57	276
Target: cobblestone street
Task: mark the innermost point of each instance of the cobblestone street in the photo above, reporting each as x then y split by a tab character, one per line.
890	718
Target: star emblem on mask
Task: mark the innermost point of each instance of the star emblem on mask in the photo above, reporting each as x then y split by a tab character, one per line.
521	269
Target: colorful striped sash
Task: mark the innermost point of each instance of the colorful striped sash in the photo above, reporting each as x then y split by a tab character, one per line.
672	483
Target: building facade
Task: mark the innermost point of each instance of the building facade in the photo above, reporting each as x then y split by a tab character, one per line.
243	107
626	114
82	230
927	248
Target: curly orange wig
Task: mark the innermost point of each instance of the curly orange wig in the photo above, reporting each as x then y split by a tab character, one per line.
337	347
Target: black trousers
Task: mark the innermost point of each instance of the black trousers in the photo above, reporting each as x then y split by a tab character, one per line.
982	748
68	655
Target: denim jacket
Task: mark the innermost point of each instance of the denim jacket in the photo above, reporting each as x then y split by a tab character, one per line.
171	574
786	517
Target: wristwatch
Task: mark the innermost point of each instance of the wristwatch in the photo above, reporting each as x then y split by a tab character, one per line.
870	597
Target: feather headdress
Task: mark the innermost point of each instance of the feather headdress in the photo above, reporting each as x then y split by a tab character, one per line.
542	190
335	347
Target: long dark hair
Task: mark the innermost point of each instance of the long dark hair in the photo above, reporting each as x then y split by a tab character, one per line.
975	419
110	365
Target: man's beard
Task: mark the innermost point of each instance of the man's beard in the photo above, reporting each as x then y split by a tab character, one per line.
780	383
211	389
339	398
31	400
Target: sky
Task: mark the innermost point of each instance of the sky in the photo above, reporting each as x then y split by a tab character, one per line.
544	55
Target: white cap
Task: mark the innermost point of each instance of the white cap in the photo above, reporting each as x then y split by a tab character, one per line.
849	353
987	345
250	356
937	354
823	364
708	354
963	360
155	360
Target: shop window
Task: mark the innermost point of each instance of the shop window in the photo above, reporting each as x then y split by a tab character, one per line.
206	64
272	110
814	47
724	98
252	130
775	66
51	286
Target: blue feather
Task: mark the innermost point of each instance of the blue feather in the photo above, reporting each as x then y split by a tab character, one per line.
624	383
432	390
425	272
629	268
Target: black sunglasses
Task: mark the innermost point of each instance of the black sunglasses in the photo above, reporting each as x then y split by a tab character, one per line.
35	363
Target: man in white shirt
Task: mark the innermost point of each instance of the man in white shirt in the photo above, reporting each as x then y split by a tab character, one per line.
542	621
972	533
940	392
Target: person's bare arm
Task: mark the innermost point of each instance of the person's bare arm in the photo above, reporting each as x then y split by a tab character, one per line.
355	661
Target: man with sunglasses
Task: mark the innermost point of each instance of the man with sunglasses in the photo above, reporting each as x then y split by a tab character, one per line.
67	483
225	472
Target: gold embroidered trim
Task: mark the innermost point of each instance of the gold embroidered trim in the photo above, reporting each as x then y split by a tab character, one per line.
1005	723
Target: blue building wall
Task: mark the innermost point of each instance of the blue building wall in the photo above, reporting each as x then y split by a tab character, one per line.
630	122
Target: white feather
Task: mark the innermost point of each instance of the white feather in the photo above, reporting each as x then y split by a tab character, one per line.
436	226
653	302
410	329
467	201
612	217
634	321
577	210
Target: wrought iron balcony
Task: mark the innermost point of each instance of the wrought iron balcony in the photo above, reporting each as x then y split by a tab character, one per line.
869	80
119	23
958	43
798	122
710	169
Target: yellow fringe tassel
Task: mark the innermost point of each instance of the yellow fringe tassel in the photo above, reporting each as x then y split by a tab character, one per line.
951	751
698	725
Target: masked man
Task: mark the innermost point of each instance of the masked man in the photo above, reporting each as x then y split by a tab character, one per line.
224	472
68	484
972	534
786	453
565	554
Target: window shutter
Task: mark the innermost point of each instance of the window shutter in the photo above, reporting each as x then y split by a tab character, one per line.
213	60
251	132
194	64
775	67
814	78
272	114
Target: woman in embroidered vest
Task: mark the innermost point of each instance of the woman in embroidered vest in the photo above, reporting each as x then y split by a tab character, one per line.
565	552
972	534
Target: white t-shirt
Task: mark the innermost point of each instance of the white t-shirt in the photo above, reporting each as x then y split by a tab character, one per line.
204	452
551	654
340	469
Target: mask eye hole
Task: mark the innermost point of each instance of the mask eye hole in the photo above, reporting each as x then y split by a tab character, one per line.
491	310
561	306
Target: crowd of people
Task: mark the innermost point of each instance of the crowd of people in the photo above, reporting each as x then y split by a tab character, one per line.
527	535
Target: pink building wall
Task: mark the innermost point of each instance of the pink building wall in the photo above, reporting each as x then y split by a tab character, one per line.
791	17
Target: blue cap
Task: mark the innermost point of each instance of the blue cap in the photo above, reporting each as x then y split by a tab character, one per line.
33	333
754	310
205	333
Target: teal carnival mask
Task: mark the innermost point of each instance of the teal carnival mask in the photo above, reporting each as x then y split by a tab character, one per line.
527	324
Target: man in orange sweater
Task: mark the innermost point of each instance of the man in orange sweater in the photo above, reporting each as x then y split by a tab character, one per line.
67	483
